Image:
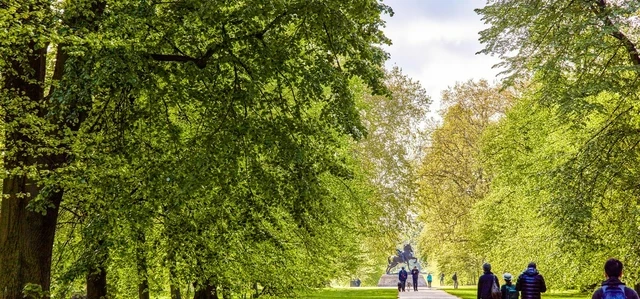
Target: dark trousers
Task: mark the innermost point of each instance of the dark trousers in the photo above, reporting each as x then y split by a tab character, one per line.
415	284
404	284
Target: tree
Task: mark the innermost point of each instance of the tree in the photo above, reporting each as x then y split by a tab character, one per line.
452	178
234	73
387	158
582	59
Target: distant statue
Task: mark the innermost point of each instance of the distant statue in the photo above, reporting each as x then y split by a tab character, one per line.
402	256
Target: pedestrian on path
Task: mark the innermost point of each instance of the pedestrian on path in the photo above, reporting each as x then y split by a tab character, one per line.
530	283
441	279
402	276
486	282
415	274
429	279
455	280
613	288
508	290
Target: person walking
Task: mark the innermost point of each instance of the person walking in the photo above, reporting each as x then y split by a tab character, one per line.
429	279
415	274
441	279
613	288
530	283
486	282
402	276
508	290
455	280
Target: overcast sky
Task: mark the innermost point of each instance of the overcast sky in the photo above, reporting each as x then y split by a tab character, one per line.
435	41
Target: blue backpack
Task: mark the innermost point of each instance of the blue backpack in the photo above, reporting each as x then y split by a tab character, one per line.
512	293
613	292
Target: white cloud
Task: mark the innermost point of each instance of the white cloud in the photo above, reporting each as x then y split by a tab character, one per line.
438	49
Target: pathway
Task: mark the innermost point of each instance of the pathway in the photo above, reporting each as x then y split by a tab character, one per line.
425	293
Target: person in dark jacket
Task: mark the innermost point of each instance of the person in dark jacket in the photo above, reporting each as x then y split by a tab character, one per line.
402	276
508	289
613	286
415	274
455	280
530	283
486	281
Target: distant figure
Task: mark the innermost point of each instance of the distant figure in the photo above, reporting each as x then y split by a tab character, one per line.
429	279
486	282
455	280
441	279
613	288
402	276
508	290
530	283
415	273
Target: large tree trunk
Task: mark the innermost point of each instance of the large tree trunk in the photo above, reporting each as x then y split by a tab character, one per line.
26	237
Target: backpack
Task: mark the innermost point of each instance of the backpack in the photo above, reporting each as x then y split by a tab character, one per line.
613	292
495	290
512	293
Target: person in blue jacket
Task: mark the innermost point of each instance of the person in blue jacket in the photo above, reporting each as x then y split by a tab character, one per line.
429	279
530	283
402	276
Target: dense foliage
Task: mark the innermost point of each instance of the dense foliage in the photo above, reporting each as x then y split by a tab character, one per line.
559	170
198	147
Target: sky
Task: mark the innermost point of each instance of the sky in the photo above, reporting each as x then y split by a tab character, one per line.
435	41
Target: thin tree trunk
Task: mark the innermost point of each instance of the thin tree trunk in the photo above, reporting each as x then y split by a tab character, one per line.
141	261
209	292
97	284
175	290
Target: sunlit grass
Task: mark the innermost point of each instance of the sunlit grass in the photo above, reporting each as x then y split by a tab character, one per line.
469	292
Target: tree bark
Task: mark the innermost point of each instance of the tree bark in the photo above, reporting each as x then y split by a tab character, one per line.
97	284
175	292
208	292
141	261
26	237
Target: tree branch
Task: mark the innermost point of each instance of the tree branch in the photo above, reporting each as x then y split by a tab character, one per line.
616	33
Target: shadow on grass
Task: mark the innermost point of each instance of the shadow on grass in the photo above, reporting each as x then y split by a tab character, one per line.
373	293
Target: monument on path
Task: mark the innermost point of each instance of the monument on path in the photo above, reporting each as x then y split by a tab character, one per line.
405	258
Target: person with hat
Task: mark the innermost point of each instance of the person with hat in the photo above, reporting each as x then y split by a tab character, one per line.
530	283
486	281
508	290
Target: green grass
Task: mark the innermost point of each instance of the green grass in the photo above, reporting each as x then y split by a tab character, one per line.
373	293
470	293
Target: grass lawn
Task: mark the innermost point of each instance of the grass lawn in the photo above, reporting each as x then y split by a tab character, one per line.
373	293
470	293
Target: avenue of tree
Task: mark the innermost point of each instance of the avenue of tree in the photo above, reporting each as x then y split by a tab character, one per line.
545	166
245	149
